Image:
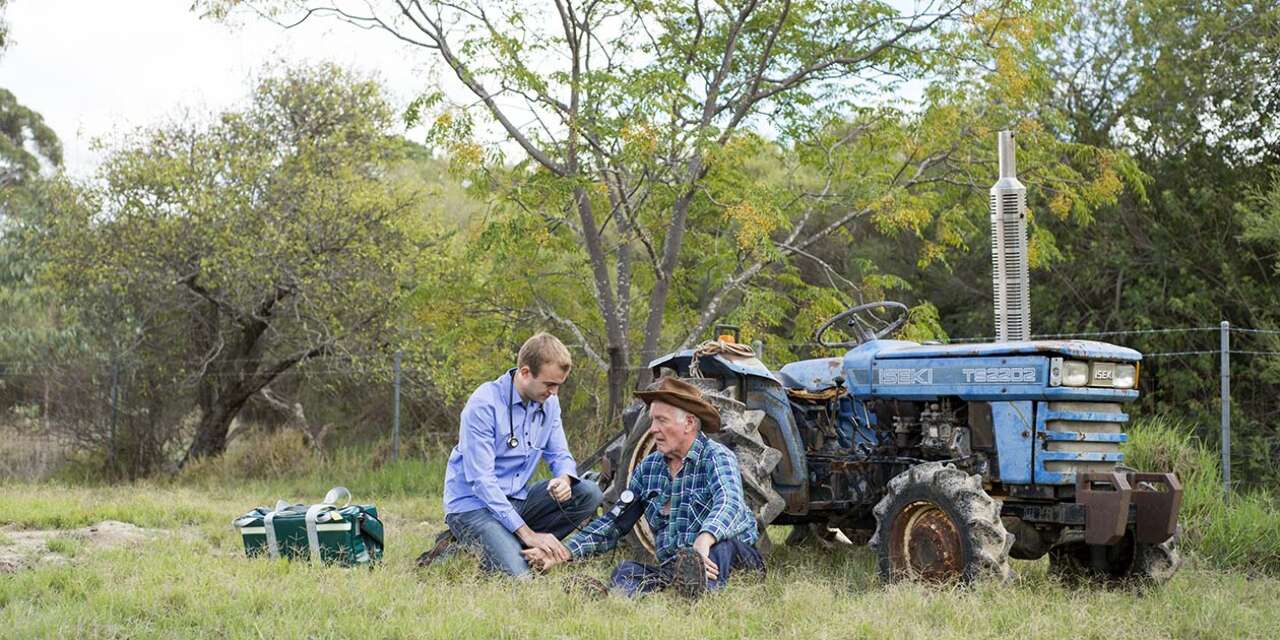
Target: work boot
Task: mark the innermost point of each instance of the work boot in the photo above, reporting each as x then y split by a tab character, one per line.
444	547
585	585
688	574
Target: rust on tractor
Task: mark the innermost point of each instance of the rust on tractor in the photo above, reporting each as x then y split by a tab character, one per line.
1106	497
925	544
1157	498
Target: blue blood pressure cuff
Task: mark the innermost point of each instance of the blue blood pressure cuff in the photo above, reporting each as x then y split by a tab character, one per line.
627	510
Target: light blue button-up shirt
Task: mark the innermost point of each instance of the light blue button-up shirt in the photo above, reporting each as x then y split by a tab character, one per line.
484	472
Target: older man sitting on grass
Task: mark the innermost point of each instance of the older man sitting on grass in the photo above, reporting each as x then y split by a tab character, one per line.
690	491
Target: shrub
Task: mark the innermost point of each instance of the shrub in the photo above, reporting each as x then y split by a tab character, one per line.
279	454
1240	533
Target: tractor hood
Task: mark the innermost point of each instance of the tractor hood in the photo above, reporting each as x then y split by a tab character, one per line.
1083	349
820	373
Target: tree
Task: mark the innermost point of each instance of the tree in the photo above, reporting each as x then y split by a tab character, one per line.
24	137
33	328
629	107
241	248
1187	91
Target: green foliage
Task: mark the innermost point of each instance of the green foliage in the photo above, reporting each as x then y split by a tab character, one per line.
20	128
33	326
1260	216
1242	533
923	324
1189	91
22	131
703	164
40	326
214	256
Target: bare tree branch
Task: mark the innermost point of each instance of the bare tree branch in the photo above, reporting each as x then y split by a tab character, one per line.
573	328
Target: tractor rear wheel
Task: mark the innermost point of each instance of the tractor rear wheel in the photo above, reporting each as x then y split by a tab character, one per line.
937	524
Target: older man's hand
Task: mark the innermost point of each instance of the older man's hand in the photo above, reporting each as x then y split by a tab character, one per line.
539	559
544	542
702	544
561	488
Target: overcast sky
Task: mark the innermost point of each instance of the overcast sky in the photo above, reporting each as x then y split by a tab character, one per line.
96	67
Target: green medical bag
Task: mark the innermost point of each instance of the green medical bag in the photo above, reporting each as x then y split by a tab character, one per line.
347	535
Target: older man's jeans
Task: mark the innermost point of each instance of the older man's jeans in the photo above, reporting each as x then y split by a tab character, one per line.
634	578
499	549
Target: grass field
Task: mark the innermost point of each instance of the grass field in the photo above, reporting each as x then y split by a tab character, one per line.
191	580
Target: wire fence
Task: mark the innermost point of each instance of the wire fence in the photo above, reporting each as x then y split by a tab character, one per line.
107	402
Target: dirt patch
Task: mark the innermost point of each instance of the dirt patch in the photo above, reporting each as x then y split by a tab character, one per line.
28	548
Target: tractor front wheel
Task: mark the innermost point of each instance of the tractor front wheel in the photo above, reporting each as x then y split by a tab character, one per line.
1127	561
937	524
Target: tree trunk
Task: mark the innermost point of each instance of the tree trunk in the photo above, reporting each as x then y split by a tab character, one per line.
219	405
211	433
223	405
617	378
617	383
662	288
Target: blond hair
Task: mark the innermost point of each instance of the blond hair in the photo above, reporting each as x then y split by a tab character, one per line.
544	349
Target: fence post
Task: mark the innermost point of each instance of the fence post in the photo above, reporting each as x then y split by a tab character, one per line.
1225	387
395	419
115	404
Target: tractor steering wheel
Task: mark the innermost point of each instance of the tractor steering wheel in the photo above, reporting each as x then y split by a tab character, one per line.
870	321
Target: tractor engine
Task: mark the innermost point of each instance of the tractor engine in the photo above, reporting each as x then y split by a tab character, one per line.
934	430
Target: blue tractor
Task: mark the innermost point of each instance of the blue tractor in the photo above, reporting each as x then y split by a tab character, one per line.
948	459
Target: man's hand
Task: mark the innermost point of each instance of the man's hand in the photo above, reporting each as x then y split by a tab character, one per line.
544	542
561	489
539	559
702	544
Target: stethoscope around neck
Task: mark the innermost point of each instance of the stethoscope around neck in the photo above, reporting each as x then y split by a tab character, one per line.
512	440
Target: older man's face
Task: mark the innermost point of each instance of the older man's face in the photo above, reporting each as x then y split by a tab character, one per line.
673	430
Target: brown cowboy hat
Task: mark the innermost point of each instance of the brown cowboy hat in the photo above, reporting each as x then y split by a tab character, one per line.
679	393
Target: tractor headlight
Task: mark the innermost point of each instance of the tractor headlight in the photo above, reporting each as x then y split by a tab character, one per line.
1126	376
1075	373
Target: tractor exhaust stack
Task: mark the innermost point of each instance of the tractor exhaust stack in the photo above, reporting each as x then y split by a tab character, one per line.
1009	249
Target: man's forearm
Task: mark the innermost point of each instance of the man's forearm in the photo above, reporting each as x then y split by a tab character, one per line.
598	536
704	541
525	534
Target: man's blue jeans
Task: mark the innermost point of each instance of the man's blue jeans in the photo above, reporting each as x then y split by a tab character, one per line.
731	555
499	549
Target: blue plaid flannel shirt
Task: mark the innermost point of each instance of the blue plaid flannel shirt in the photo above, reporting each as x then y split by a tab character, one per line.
705	496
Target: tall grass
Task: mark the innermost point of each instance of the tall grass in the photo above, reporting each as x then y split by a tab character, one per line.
196	582
281	462
1241	532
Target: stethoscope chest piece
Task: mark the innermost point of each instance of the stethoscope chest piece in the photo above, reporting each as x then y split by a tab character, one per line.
513	442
